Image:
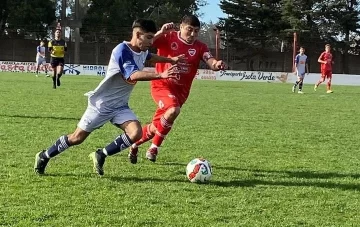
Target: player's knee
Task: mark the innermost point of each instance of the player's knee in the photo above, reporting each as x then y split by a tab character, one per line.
173	112
77	138
135	134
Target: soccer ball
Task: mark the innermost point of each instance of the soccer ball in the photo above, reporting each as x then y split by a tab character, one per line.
199	170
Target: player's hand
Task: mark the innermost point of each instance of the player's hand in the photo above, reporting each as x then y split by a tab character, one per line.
172	72
219	65
168	27
181	58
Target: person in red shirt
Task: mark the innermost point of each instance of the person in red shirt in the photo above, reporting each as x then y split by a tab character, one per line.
326	60
171	94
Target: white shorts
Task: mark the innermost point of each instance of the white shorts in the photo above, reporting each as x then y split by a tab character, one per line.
40	61
301	74
93	118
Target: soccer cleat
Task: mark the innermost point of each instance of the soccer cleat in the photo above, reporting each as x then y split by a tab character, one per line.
98	161
329	91
133	155
40	163
315	87
58	82
152	153
300	92
47	75
293	89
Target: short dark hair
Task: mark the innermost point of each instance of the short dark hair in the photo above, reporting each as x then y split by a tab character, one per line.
145	25
191	20
58	29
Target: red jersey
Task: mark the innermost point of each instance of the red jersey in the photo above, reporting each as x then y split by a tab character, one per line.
329	59
171	45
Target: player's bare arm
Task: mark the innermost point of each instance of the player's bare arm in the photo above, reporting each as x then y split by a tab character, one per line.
307	68
173	60
166	28
321	61
215	65
172	72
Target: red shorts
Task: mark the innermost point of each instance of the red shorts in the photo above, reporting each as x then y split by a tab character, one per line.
326	74
164	100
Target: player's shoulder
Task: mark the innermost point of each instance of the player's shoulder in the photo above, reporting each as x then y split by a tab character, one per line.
124	49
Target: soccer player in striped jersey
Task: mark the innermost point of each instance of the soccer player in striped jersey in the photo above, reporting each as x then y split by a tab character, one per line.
301	67
109	102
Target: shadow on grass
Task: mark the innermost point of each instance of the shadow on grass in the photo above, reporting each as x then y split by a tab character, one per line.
307	174
40	117
299	178
257	183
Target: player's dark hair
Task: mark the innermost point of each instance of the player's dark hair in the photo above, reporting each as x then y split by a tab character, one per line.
302	48
58	29
191	20
145	25
327	45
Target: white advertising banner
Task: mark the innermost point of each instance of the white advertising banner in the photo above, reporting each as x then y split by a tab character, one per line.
202	74
250	76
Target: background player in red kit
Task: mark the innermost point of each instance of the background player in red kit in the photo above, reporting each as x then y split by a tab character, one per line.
326	60
170	95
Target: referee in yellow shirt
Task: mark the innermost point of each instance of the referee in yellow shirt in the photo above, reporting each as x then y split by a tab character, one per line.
57	48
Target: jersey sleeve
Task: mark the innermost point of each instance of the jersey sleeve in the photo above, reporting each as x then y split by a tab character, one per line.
297	59
126	62
38	49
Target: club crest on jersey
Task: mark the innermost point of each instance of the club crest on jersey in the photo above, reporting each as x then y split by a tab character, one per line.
174	46
192	52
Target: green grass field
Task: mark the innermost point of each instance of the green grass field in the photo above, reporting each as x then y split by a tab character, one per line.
279	159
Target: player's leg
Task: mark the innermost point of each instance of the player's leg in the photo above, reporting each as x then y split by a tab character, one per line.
59	70
91	120
328	86
37	67
162	130
127	121
54	64
296	82
166	113
62	143
44	65
301	81
322	79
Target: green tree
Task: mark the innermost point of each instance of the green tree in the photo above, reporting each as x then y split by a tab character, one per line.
22	18
110	20
252	26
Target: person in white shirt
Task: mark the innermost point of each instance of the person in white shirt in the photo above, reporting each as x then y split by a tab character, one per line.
41	58
109	101
302	67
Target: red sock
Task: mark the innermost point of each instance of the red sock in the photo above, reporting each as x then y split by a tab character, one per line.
162	130
328	87
146	135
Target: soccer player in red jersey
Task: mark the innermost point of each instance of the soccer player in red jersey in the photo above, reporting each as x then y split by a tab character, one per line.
326	60
171	94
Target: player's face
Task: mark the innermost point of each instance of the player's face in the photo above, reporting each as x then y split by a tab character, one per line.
302	50
42	44
57	34
189	33
327	48
145	40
